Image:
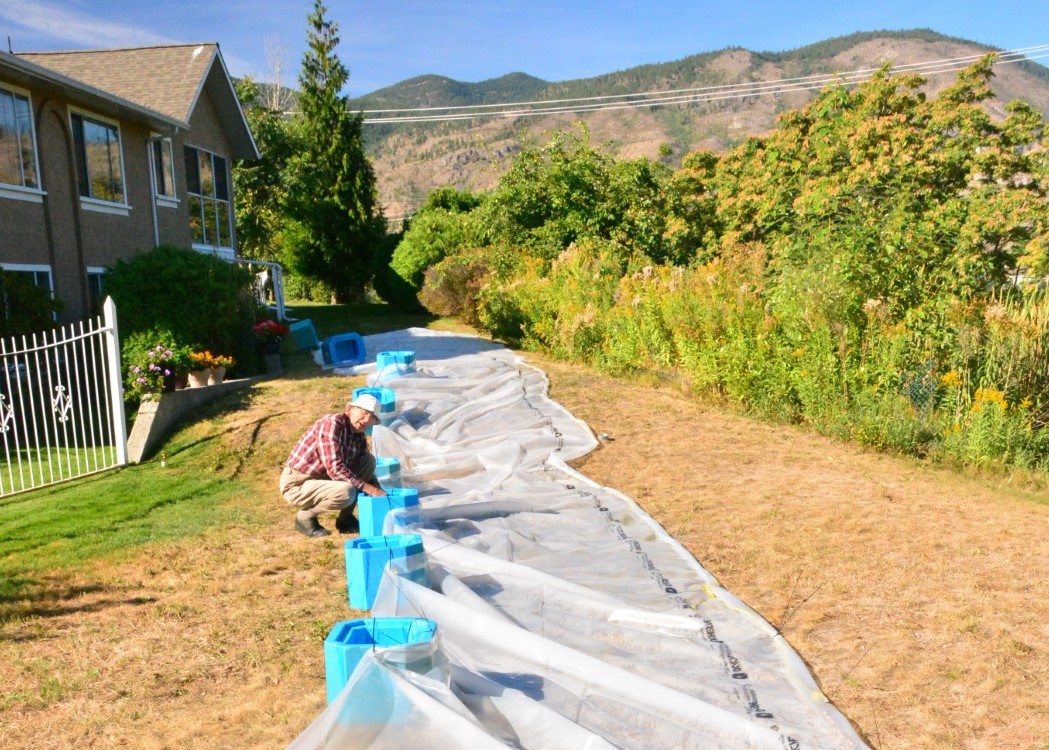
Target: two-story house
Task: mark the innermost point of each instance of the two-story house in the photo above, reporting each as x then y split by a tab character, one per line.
108	153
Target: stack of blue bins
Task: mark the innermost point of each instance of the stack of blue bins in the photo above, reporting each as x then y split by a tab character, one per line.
366	561
368	556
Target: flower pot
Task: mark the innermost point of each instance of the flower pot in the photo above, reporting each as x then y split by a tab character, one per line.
274	366
218	374
199	378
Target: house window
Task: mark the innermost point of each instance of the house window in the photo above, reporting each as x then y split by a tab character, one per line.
40	276
96	288
100	168
13	299
207	185
17	141
163	168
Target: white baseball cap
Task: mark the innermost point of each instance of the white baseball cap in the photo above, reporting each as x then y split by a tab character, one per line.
367	402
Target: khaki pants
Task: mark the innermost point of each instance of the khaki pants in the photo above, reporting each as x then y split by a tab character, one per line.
319	495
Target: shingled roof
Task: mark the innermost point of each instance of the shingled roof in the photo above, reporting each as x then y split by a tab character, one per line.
166	79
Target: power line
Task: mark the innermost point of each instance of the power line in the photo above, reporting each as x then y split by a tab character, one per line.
690	95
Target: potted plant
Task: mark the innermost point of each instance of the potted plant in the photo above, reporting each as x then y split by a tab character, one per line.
200	366
152	363
270	332
219	364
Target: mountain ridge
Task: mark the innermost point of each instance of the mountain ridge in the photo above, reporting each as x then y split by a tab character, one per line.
410	160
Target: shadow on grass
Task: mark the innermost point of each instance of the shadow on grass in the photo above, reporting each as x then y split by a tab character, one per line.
24	598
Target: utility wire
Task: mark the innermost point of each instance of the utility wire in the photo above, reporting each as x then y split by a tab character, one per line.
691	95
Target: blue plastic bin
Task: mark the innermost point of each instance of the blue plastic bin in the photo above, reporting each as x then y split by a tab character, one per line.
367	557
395	363
388	471
348	640
343	350
304	334
372	510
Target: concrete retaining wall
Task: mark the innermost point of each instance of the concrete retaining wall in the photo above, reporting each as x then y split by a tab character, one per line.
156	418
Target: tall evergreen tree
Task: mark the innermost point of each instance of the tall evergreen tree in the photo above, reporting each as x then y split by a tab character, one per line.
332	199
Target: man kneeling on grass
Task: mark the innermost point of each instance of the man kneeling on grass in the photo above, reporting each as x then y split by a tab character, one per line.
328	467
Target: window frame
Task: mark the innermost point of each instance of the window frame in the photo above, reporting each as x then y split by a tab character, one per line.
95	297
33	268
90	202
35	193
158	146
195	180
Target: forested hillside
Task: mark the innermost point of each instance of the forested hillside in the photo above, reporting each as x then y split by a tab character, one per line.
412	159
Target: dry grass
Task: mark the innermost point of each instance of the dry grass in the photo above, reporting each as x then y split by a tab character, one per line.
917	596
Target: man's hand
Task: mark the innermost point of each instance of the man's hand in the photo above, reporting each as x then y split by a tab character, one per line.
374	490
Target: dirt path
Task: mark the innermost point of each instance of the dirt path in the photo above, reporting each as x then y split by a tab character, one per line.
917	597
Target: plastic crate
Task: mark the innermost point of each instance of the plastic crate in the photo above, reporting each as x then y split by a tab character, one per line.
388	471
372	510
395	363
343	349
348	641
367	558
304	334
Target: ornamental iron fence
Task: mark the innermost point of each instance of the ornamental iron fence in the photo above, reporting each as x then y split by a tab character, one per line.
61	404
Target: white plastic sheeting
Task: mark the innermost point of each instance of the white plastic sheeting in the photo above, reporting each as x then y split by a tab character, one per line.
567	618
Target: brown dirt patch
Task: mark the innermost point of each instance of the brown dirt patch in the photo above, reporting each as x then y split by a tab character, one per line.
917	596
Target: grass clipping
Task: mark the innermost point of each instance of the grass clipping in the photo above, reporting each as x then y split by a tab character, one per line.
918	597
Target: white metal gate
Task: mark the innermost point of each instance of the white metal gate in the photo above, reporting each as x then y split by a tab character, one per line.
61	404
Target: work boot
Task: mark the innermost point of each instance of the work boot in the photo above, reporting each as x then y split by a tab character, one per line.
310	527
347	523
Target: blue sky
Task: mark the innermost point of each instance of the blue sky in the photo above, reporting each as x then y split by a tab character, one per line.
386	41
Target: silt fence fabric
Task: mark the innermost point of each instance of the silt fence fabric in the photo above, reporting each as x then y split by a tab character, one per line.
566	616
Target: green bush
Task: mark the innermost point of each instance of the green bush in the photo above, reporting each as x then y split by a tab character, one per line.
451	287
305	288
431	236
203	301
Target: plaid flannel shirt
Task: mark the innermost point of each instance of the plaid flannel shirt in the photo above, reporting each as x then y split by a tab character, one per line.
328	449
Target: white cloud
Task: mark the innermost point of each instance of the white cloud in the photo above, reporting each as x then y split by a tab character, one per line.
81	29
